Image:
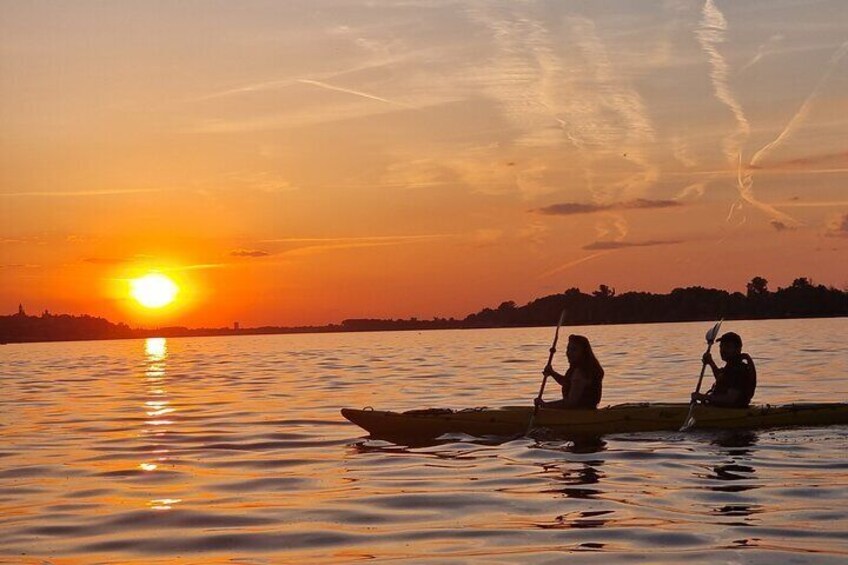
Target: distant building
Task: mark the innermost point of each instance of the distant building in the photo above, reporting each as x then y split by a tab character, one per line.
21	310
236	326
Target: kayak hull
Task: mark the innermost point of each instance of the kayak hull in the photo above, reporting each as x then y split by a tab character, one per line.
622	418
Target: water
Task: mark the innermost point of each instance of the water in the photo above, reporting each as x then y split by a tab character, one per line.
232	450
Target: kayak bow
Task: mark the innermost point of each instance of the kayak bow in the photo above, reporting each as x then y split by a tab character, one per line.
621	418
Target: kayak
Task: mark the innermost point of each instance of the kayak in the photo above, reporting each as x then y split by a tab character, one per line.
621	418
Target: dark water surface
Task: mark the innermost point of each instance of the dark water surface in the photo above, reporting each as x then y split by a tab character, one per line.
232	450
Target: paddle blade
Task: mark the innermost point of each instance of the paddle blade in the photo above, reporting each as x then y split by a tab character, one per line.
687	425
713	331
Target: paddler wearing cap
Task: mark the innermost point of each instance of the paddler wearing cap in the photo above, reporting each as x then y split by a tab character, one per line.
736	381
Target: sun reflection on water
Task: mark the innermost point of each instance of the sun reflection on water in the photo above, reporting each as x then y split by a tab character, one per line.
156	348
156	406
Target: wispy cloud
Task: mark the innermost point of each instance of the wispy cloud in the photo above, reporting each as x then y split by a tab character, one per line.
582	102
106	260
353	92
694	190
764	49
358	239
681	151
249	253
598	245
804	110
812	204
298	246
573	208
838	226
566	266
199	267
711	33
20	266
779	226
802	163
71	193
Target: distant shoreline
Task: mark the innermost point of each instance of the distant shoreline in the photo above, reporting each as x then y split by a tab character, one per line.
247	332
801	300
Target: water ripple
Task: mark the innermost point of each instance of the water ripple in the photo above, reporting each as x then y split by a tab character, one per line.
232	450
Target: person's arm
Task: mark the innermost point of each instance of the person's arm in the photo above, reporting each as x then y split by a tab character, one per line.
700	396
549	371
708	360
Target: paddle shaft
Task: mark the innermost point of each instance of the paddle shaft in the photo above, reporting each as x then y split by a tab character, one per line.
703	370
697	388
545	378
550	360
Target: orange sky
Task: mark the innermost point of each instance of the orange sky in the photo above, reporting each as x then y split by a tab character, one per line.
302	163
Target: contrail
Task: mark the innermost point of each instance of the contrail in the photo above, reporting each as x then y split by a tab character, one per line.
351	91
747	182
805	107
574	263
762	51
712	32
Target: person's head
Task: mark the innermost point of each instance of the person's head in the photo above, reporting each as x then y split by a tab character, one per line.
580	354
577	347
730	346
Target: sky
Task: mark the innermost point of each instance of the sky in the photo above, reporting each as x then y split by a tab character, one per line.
306	162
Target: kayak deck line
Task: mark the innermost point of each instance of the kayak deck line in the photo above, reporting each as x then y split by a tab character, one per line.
621	418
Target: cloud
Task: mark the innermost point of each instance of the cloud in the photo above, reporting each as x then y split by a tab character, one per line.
835	160
485	237
764	49
249	253
573	208
605	245
711	33
694	190
352	92
83	192
311	245
804	110
105	260
838	226
20	266
780	226
570	264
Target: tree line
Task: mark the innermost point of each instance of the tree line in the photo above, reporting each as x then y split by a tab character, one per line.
801	299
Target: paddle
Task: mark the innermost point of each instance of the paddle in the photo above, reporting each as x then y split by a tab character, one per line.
711	336
545	378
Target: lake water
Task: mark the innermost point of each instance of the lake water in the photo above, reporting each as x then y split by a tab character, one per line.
232	450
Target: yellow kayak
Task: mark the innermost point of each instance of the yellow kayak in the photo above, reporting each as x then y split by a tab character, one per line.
621	418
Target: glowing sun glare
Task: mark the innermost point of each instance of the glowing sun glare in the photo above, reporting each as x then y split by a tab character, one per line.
154	290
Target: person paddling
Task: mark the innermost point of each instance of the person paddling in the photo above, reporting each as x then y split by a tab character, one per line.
736	381
582	382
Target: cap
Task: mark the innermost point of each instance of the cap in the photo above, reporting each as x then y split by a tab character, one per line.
731	337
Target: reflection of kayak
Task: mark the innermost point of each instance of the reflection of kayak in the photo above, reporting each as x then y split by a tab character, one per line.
622	418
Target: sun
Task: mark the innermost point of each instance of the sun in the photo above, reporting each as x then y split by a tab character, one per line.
153	290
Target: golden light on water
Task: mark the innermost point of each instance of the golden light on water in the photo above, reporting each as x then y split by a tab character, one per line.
154	290
156	348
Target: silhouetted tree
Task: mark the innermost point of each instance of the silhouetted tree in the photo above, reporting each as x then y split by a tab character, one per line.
802	282
757	287
604	292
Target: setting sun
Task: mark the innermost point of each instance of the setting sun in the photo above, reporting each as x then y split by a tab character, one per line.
153	290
